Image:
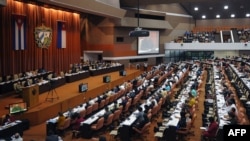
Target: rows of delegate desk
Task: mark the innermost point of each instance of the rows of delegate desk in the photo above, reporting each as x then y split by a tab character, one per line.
125	127
20	125
6	87
85	126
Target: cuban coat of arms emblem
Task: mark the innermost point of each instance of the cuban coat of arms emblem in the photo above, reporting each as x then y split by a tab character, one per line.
43	36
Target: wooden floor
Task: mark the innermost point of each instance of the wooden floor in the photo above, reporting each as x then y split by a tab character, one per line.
38	132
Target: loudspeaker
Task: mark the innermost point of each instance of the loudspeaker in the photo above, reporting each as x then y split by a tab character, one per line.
139	33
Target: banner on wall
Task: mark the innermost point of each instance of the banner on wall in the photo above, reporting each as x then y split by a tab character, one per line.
43	36
61	34
19	32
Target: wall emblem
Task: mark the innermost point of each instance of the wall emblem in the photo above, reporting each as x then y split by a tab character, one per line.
43	36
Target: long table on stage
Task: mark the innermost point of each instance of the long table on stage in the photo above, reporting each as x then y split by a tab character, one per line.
77	76
70	96
6	87
44	87
94	72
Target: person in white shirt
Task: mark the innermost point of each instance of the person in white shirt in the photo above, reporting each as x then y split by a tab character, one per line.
16	137
229	105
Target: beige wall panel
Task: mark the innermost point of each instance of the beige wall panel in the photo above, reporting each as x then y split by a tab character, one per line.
223	22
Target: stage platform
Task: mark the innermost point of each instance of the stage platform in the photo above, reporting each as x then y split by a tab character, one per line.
69	96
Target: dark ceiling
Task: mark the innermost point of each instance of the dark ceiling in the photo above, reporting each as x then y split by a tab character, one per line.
209	8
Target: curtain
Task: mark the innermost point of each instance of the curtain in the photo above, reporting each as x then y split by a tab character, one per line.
34	57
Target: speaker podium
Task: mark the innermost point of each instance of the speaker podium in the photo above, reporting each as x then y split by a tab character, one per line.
31	95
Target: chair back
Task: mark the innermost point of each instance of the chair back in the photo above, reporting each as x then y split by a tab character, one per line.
127	106
109	120
102	104
154	110
145	127
95	106
116	115
100	123
89	110
107	100
82	113
67	123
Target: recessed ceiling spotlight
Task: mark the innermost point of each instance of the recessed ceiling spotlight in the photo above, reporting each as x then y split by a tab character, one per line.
196	9
203	17
242	6
232	15
247	15
226	7
217	16
211	8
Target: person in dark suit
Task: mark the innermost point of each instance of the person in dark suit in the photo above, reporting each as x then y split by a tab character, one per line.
27	83
52	136
106	114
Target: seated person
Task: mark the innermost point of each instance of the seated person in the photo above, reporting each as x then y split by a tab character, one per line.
8	119
193	92
77	122
229	105
182	124
41	70
52	137
139	115
27	83
106	114
116	106
191	101
211	130
16	137
61	120
124	101
231	116
141	124
18	87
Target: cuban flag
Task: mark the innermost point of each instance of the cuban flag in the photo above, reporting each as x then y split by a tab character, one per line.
61	34
19	32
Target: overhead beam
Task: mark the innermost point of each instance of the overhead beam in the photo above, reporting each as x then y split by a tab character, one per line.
89	6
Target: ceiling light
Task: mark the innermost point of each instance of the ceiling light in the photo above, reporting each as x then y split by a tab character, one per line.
247	15
203	17
218	16
211	8
226	7
196	9
232	15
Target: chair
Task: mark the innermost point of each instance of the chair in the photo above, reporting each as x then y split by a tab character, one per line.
102	104
98	125
66	125
89	110
95	107
109	120
82	113
188	131
144	131
117	114
126	108
107	100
